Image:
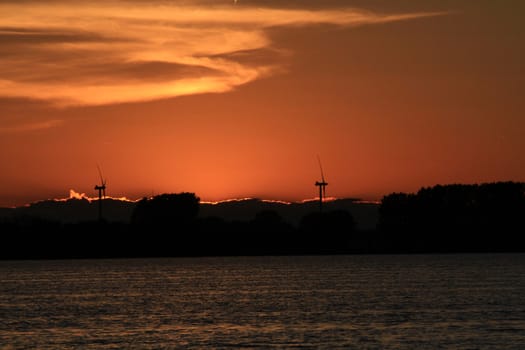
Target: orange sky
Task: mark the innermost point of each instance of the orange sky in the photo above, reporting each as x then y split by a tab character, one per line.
231	100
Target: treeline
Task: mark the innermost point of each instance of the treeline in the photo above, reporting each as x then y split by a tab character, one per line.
168	225
456	218
450	218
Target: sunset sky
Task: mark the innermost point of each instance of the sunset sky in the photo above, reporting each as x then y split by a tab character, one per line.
232	99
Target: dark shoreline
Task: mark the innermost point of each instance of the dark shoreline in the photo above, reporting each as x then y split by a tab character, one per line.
83	242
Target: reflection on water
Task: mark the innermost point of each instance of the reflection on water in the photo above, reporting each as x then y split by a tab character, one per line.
331	302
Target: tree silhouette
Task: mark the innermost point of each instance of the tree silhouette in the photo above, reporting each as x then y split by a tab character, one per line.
165	224
455	217
166	209
270	233
328	231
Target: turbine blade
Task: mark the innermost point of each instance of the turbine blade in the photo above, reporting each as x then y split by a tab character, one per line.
320	167
100	174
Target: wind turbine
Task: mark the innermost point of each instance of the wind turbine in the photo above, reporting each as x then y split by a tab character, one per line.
101	193
322	186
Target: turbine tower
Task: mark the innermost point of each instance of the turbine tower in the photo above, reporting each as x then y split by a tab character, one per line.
322	186
101	193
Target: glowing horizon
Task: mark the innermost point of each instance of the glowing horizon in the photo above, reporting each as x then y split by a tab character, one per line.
74	195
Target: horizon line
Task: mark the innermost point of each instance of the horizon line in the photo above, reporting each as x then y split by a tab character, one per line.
82	196
73	195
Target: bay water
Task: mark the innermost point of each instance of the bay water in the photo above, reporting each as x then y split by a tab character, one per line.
449	301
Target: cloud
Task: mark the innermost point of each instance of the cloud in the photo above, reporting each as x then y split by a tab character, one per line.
31	126
104	52
74	195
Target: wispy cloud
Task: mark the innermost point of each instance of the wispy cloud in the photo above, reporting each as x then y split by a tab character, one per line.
31	126
103	52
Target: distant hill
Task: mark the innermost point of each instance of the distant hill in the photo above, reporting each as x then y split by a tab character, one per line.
115	210
73	210
365	214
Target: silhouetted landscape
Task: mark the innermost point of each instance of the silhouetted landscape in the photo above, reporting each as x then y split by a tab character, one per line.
441	219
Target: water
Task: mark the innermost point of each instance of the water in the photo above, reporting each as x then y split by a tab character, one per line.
324	302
